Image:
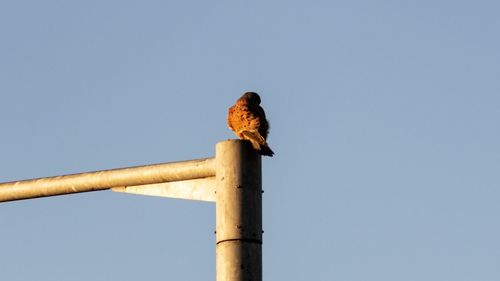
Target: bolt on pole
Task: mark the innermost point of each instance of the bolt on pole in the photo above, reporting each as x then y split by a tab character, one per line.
238	212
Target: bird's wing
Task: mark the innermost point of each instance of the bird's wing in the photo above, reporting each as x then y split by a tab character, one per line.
263	123
252	136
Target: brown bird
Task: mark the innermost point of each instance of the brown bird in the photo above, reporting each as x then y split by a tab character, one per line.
248	121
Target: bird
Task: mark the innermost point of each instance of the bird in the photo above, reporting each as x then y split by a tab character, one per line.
247	120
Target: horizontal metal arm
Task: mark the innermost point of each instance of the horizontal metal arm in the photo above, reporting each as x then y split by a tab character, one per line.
106	179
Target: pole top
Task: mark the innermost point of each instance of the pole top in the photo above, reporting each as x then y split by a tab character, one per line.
235	143
232	141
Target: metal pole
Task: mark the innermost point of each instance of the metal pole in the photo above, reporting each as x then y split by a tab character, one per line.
100	180
238	212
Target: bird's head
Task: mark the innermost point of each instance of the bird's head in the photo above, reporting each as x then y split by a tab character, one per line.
251	98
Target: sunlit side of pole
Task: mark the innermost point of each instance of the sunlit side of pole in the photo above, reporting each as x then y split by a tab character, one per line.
238	212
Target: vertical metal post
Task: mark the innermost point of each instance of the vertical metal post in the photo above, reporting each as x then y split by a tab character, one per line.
238	212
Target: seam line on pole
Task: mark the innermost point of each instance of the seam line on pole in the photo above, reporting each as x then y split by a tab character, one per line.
248	240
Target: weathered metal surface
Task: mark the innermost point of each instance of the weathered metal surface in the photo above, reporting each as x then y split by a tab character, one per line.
238	212
106	179
197	189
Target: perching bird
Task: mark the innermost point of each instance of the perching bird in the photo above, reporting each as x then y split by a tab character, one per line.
248	121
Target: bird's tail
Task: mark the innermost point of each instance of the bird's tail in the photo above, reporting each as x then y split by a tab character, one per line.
258	143
265	150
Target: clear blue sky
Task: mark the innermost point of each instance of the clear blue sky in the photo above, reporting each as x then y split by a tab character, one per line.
384	119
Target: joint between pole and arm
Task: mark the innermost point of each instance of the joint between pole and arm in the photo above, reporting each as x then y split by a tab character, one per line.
238	249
